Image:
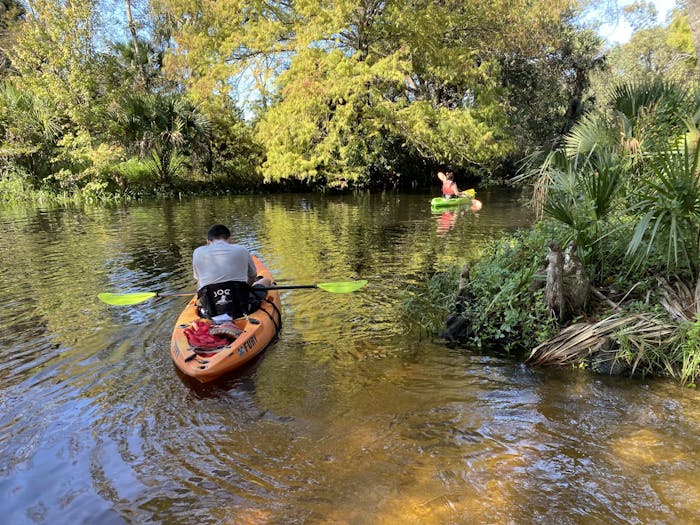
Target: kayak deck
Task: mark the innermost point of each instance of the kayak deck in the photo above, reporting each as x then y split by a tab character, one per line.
258	330
465	197
441	202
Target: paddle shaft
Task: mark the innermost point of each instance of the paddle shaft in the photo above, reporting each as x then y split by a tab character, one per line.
282	287
285	287
128	299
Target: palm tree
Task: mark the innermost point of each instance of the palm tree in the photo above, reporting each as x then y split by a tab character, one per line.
160	127
623	161
29	129
666	206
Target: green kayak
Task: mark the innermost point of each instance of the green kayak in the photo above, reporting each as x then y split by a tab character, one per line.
442	202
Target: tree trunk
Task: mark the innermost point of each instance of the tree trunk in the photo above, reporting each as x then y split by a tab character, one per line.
554	289
166	156
135	41
694	19
577	287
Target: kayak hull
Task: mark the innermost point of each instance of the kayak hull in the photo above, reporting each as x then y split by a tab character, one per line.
259	329
441	202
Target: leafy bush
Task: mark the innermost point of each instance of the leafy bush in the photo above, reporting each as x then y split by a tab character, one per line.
136	174
13	186
502	308
686	354
429	307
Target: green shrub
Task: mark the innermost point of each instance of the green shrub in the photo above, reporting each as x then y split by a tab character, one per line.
502	309
428	307
13	187
136	175
505	308
686	354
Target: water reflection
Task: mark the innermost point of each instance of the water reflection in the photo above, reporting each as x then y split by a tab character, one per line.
447	219
348	418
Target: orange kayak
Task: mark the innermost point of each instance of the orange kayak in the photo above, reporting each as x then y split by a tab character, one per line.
252	335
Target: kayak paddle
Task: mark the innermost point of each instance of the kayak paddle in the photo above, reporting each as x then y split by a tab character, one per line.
127	299
343	287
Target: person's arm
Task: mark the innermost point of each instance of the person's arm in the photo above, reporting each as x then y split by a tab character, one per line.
441	176
194	266
252	272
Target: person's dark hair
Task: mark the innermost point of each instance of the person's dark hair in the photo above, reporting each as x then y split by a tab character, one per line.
218	231
450	175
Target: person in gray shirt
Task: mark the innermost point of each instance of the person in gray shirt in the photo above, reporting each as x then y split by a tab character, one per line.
226	274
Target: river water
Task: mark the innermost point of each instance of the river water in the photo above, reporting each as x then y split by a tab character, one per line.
351	417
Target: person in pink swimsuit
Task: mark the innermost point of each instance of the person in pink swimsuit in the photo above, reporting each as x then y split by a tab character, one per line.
450	189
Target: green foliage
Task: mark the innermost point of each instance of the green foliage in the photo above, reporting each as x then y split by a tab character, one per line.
81	165
13	186
625	187
231	153
503	311
162	128
615	171
686	354
428	307
11	13
663	50
680	38
56	60
582	199
501	308
464	137
327	129
650	110
636	116
135	175
547	94
129	70
349	91
667	204
29	130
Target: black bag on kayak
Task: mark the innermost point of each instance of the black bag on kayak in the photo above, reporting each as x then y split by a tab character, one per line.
230	297
234	298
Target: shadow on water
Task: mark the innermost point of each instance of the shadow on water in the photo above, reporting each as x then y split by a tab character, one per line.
348	418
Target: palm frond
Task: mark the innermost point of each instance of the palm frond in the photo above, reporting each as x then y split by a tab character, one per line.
589	133
678	300
575	342
600	186
578	342
668	204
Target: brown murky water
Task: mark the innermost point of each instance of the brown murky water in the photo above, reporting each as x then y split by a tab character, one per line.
348	419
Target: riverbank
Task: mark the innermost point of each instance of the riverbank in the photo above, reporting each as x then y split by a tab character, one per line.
514	300
16	190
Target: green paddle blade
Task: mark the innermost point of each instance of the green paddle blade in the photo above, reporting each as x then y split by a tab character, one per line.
346	287
125	299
